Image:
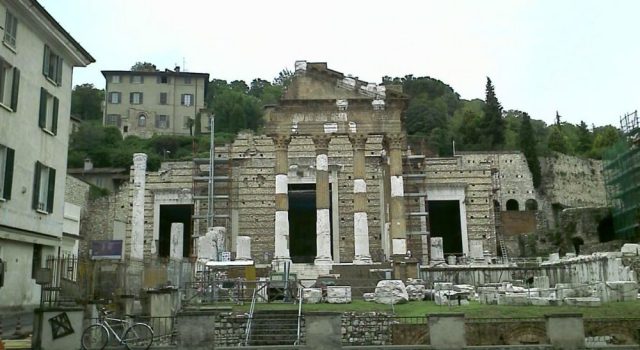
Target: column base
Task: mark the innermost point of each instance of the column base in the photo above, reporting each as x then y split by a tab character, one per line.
362	260
278	264
323	261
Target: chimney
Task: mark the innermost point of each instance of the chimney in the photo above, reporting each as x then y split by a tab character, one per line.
88	164
177	69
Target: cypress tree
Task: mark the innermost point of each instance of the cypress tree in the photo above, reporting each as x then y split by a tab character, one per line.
493	124
528	148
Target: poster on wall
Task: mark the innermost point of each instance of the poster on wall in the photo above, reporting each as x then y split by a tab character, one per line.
111	249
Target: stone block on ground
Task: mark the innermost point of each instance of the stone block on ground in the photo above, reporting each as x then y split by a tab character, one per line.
621	290
443	286
369	296
583	301
391	292
338	294
538	301
312	295
416	291
630	249
488	295
513	299
541	282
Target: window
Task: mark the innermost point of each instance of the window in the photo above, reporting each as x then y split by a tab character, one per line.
162	121
9	85
137	79
115	79
113	120
135	98
48	119
142	121
163	79
186	99
163	98
115	97
44	183
187	80
52	66
6	171
10	30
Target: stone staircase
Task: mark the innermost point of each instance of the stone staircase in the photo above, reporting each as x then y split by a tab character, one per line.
274	327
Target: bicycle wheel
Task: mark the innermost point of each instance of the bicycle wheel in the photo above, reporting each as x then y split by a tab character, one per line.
95	337
138	337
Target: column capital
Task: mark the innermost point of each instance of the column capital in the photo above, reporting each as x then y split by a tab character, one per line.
358	141
281	142
321	141
394	141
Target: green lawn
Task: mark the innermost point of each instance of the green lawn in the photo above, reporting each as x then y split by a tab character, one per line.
473	310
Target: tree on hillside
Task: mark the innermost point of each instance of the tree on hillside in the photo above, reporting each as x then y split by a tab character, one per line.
239	86
585	139
424	115
236	111
605	137
144	67
86	102
557	141
283	78
528	148
265	91
492	122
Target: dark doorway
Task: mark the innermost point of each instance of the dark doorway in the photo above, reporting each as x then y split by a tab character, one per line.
606	231
168	215
302	223
512	204
444	220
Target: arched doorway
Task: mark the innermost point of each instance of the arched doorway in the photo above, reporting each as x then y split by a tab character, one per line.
512	204
531	204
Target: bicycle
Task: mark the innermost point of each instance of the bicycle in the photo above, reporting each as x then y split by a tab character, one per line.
137	336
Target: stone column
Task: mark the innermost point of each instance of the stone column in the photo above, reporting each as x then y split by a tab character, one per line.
243	248
177	237
136	243
323	202
396	212
360	221
281	143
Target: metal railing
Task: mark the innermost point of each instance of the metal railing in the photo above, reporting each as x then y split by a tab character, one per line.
251	311
297	342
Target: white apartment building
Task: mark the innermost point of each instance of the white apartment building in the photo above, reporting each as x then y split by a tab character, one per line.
145	103
37	57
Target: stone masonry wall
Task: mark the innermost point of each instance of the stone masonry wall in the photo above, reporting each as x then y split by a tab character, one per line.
515	180
572	181
76	192
253	188
476	179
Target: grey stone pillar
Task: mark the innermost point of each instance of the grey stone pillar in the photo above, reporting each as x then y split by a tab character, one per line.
323	202
136	243
446	331
360	220
281	254
323	330
396	206
196	329
565	331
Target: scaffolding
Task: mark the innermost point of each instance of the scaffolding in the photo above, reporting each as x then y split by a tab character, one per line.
622	179
417	204
211	189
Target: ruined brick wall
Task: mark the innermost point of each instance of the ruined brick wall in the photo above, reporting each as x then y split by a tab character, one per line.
572	181
102	214
76	191
515	180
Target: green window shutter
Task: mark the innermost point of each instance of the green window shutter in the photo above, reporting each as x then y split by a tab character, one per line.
14	89
42	119
36	185
45	61
141	96
54	121
8	174
131	98
51	189
59	71
142	79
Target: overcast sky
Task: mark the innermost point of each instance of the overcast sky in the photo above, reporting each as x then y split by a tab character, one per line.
579	57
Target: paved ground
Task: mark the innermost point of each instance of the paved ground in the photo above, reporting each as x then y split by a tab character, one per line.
10	320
